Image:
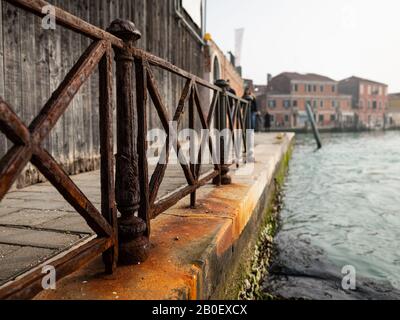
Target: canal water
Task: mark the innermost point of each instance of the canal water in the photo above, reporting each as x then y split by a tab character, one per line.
341	209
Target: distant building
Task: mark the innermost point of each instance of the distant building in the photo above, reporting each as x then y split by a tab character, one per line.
219	66
286	95
369	101
393	111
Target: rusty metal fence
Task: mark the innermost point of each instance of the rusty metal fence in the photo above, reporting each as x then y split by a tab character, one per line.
123	240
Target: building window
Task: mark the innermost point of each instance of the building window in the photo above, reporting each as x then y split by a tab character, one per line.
309	88
272	103
321	88
272	118
374	105
295	103
321	104
295	88
333	104
286	118
315	88
321	118
333	118
315	103
286	104
333	88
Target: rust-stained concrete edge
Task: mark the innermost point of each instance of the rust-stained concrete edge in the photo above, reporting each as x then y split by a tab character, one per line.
219	275
194	252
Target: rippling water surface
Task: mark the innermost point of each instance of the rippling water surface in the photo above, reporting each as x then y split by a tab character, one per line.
341	208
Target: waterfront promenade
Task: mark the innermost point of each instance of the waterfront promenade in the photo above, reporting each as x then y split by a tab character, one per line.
192	249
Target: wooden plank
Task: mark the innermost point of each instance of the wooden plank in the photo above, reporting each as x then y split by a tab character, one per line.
108	207
12	55
85	107
28	83
12	126
76	105
141	102
96	17
42	76
11	166
3	140
68	127
12	63
55	78
69	21
61	98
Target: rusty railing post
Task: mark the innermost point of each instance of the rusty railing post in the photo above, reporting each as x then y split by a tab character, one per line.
132	230
223	178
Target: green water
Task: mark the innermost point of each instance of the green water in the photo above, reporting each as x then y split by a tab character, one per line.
342	208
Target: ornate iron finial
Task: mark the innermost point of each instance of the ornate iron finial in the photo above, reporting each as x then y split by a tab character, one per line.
222	83
125	30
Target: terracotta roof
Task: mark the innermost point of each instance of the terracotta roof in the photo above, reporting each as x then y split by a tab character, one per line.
305	77
363	80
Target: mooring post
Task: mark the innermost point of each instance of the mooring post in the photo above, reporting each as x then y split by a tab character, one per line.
223	178
132	231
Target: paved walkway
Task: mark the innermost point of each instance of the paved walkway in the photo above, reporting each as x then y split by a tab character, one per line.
36	223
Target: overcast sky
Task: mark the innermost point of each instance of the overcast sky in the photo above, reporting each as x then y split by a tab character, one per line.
336	38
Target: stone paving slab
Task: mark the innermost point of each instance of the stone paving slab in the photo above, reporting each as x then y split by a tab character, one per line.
15	259
30	218
68	223
37	238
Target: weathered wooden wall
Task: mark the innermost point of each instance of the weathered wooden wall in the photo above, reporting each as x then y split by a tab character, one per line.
33	62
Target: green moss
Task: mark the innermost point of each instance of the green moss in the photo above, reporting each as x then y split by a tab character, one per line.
256	262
